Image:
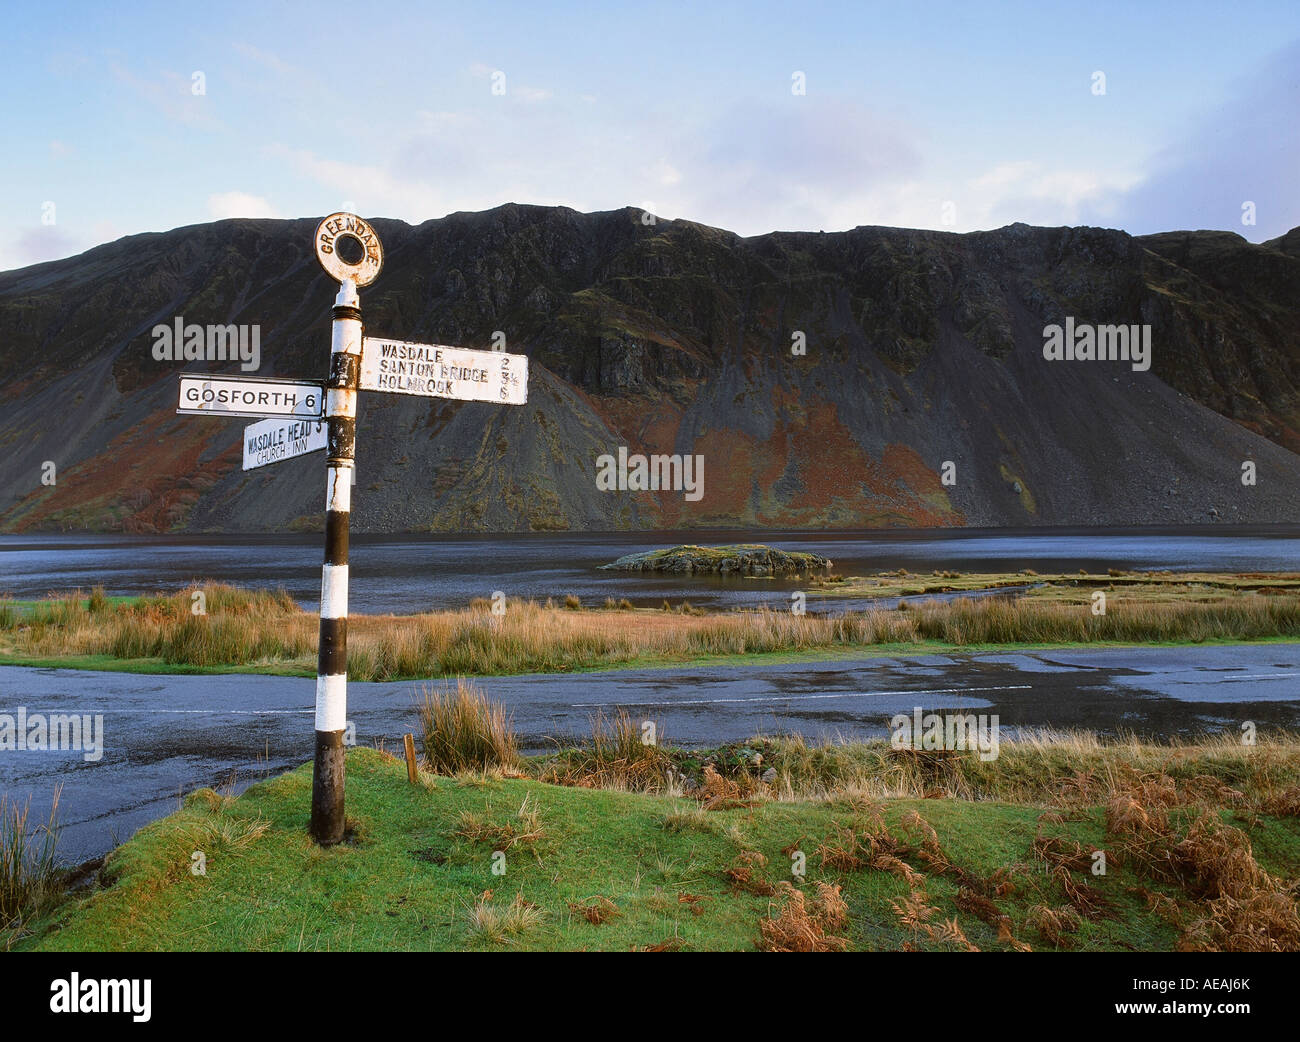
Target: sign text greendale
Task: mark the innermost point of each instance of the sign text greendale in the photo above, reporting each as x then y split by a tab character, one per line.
438	371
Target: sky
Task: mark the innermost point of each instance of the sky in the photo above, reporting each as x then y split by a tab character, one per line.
1147	116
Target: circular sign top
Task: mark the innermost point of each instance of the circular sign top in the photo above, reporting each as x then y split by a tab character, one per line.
349	226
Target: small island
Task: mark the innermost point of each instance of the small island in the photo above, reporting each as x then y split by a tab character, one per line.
751	559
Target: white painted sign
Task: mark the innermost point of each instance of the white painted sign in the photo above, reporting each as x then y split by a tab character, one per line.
269	441
215	395
349	226
438	371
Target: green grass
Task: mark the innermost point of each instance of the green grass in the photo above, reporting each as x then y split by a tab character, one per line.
26	608
412	877
111	664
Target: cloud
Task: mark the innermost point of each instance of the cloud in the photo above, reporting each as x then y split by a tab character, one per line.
270	61
1031	192
804	164
1246	150
373	189
173	95
238	204
47	242
800	164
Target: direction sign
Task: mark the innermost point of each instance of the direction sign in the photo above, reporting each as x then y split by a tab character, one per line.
269	441
439	371
210	394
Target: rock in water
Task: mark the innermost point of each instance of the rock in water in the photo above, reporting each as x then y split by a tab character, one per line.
745	559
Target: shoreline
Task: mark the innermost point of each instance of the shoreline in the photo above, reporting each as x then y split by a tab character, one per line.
156	667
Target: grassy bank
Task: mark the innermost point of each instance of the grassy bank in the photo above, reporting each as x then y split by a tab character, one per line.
1200	840
267	632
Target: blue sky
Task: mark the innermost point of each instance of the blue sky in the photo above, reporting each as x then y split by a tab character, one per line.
952	116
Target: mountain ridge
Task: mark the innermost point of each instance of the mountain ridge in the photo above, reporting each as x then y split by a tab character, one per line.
922	347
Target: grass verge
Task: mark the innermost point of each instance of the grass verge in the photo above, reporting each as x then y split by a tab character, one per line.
256	631
840	850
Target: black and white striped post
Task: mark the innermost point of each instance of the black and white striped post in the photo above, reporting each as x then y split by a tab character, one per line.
328	776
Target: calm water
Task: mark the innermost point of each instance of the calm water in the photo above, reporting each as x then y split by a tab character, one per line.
413	573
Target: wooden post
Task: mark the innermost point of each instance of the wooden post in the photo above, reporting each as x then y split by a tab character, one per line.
412	770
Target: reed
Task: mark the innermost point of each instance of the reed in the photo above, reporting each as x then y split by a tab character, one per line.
463	731
252	627
29	876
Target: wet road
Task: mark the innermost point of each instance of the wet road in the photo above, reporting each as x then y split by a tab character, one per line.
164	736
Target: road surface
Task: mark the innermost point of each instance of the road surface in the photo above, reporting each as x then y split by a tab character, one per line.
167	735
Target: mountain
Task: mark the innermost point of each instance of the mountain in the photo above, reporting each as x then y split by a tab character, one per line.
672	337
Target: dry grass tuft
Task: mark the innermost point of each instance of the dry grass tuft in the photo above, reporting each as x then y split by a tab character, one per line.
496	925
693	819
1284	804
805	925
742	874
1258	921
717	792
525	830
1007	936
462	731
28	872
672	944
967	900
1054	924
599	910
1056	852
616	757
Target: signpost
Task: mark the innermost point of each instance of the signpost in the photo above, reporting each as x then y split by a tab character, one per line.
298	424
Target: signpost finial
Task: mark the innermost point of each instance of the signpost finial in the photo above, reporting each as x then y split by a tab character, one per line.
349	226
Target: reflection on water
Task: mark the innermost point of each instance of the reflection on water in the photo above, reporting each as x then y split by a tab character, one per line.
416	572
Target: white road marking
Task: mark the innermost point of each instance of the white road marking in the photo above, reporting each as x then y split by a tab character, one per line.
210	712
804	698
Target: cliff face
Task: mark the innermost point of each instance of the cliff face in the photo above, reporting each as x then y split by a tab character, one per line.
920	348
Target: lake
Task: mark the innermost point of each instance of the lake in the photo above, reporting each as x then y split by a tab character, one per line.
410	573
